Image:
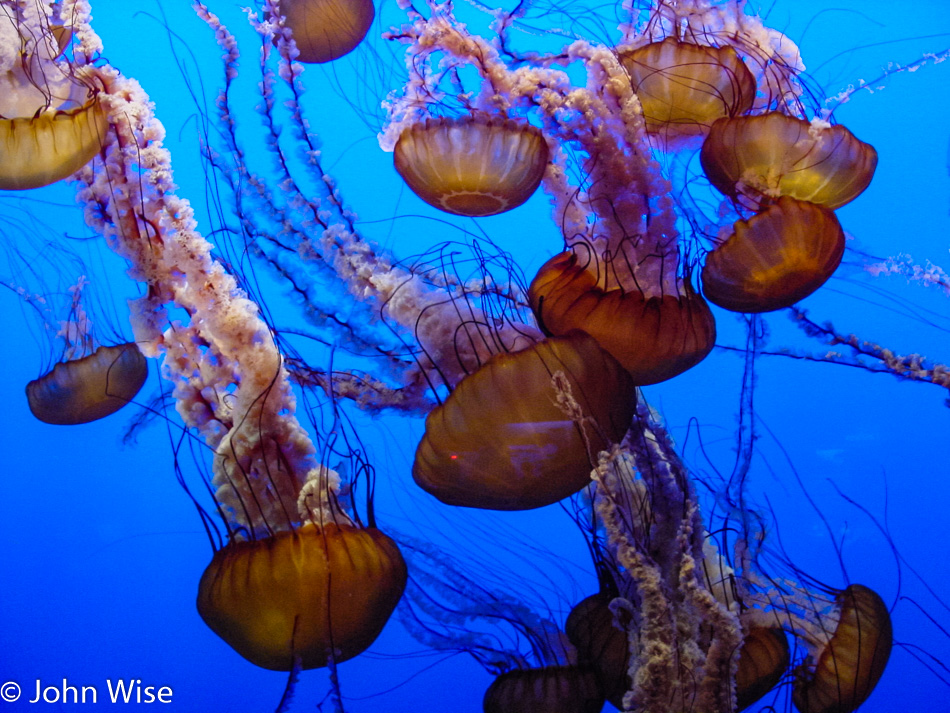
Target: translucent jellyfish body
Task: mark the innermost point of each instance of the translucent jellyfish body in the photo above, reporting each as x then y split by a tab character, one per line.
502	441
654	338
325	30
303	594
777	155
472	166
553	689
90	388
850	664
683	88
776	258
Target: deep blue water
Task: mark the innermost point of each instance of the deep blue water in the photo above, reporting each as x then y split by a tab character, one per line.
102	551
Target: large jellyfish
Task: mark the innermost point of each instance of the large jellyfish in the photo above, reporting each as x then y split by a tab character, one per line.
51	121
349	326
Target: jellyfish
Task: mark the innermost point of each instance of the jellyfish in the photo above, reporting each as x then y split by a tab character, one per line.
89	388
474	166
655	338
554	689
633	483
798	173
778	155
477	607
601	634
743	607
306	596
603	645
51	120
91	369
684	87
763	661
502	441
776	258
843	671
325	30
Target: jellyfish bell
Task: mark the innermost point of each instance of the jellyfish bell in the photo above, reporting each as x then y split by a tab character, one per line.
502	441
552	689
311	594
684	87
49	128
473	166
843	672
87	389
41	150
325	30
90	369
654	337
778	155
592	629
776	258
763	660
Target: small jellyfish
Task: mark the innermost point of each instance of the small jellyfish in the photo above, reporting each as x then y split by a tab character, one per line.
51	120
502	440
90	388
776	258
763	660
684	87
552	689
851	662
654	338
302	596
472	166
777	155
91	369
325	30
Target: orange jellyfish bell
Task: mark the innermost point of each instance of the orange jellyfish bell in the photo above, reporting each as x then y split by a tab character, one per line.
654	338
501	441
51	119
763	659
472	166
306	594
599	642
774	259
40	150
777	155
325	30
552	689
87	389
851	663
683	87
